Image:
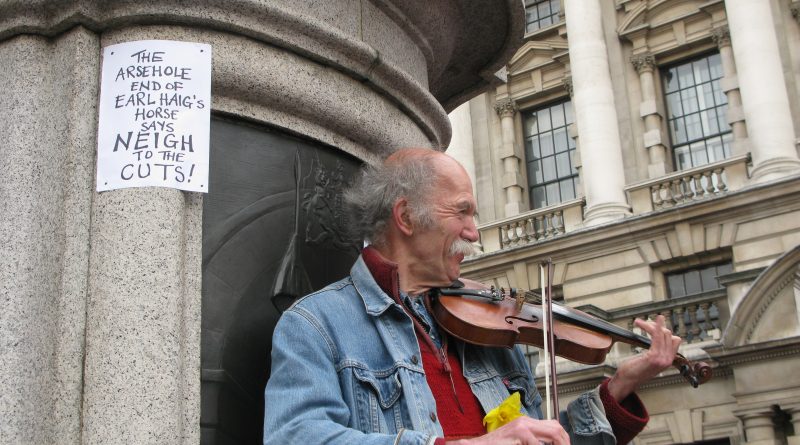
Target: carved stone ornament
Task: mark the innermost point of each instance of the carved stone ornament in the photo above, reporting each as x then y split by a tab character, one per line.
721	36
567	82
324	208
506	107
643	62
795	8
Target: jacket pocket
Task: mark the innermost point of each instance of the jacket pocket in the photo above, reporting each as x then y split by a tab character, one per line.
378	397
529	395
387	388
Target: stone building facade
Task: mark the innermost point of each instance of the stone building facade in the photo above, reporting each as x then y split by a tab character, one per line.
144	315
649	148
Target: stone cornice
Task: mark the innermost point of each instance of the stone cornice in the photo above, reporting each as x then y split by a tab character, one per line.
454	62
733	356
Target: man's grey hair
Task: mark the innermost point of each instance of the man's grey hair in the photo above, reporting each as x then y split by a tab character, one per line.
373	194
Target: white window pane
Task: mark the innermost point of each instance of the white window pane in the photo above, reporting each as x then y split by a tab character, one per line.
568	112
709	121
678	128
699	155
683	157
685	76
546	143
562	164
674	104
557	114
553	195
700	69
539	199
671	80
694	129
689	100
560	140
544	120
549	169
567	189
715	66
705	95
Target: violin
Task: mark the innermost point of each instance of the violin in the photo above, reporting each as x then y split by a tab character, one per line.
489	317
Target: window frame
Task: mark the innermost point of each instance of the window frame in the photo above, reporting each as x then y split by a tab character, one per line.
555	156
699	149
552	17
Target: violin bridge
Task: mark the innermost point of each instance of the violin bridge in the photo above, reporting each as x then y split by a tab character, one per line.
519	297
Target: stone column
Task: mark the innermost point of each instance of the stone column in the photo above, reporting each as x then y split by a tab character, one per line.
645	65
572	131
512	180
49	134
763	89
759	429
603	173
730	86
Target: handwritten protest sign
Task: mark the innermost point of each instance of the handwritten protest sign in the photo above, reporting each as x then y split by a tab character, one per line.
155	103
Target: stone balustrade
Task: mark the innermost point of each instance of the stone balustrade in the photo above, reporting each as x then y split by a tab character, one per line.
531	227
687	186
694	318
697	318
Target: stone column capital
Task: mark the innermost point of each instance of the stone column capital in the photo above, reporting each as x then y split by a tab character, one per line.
643	62
506	107
721	36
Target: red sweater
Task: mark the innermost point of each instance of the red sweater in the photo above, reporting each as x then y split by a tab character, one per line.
457	407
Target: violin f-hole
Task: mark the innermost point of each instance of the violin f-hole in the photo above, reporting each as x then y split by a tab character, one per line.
533	319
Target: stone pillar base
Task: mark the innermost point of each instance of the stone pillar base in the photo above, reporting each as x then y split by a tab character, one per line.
775	168
605	212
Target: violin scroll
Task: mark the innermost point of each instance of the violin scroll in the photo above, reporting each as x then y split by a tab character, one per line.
695	373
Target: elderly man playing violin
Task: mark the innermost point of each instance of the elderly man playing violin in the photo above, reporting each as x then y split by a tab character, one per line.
363	362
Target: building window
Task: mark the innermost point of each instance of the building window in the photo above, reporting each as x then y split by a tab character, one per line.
549	150
541	14
695	319
696	109
696	281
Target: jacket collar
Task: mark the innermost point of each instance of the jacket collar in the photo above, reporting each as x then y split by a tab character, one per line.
377	281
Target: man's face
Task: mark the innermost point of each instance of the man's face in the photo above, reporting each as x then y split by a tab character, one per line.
453	211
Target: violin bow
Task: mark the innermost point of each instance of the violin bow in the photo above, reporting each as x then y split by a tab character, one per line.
550	376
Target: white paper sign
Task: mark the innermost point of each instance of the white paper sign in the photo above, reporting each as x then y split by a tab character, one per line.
155	110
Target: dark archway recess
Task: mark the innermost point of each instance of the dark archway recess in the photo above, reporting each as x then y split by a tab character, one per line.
273	230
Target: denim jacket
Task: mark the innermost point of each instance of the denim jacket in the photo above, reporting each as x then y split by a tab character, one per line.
346	369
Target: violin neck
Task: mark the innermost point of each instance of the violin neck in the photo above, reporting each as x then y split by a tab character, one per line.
579	318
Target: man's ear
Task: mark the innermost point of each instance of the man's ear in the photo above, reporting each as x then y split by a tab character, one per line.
401	217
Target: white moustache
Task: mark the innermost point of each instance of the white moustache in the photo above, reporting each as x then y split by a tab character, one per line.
463	247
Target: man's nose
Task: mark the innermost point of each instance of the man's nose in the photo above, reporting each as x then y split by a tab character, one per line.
470	232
